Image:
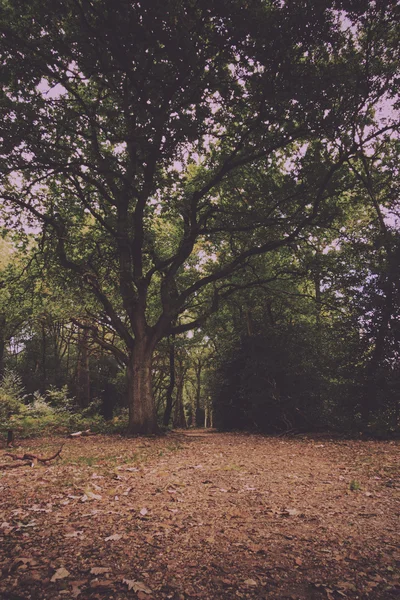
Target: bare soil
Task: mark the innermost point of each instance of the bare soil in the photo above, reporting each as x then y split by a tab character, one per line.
201	515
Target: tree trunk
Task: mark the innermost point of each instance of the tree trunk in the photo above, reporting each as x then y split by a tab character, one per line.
198	412
168	404
83	374
44	358
2	343
179	420
142	410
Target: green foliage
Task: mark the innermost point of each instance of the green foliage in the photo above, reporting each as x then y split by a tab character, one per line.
59	400
162	164
11	397
51	412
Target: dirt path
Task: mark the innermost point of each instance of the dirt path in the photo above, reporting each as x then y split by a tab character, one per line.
202	515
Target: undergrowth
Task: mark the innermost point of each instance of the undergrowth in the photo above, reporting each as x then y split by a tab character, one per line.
53	412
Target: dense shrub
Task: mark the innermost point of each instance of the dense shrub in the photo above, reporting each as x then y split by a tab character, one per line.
51	412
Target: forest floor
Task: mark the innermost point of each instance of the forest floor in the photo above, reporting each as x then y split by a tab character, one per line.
199	514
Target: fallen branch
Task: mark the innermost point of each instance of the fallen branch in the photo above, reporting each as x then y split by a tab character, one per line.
15	466
81	434
35	457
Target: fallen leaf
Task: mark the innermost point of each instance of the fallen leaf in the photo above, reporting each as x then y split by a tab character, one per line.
25	561
93	496
251	582
74	534
290	512
100	583
99	570
137	586
130	469
60	574
113	538
76	588
210	540
256	548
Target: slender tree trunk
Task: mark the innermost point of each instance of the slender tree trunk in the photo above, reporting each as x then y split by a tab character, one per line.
179	420
2	343
249	323
198	413
83	395
44	358
142	410
208	415
170	389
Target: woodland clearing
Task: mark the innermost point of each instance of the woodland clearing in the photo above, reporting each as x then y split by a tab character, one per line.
200	514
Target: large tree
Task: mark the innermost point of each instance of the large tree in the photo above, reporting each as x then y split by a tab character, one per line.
162	145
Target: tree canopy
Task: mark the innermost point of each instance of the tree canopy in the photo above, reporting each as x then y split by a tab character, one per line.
161	147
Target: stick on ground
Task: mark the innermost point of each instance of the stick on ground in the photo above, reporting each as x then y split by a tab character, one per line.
33	458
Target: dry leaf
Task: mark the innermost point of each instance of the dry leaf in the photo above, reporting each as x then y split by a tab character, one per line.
93	496
113	538
100	583
99	570
74	534
290	512
60	574
251	582
137	586
25	561
76	588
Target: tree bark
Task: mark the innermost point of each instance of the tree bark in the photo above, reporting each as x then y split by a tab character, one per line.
179	419
44	358
168	404
142	410
198	411
83	374
2	343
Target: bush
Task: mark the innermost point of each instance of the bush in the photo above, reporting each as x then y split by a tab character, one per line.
59	400
11	397
49	413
